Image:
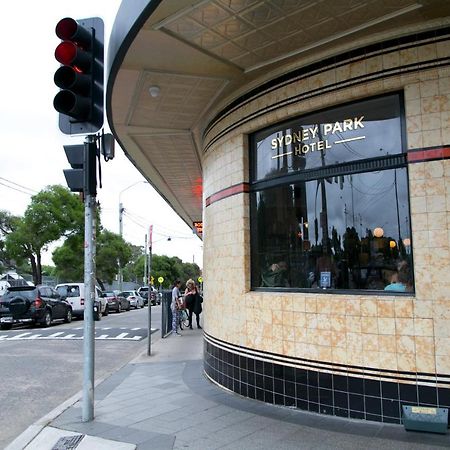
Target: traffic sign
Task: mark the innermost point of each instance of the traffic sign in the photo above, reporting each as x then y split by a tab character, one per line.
160	280
200	279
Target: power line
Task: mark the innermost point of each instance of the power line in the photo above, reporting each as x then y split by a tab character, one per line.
19	185
15	189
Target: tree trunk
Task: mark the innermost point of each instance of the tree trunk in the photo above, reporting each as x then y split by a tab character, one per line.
34	268
39	268
100	282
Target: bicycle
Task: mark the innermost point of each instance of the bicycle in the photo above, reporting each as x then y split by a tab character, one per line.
183	318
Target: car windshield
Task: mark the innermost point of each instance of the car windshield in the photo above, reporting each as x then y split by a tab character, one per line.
126	293
68	291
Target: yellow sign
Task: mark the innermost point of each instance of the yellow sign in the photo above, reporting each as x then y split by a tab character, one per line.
160	280
152	279
423	410
200	279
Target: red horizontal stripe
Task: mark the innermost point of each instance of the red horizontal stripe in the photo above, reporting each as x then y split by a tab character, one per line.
426	154
227	192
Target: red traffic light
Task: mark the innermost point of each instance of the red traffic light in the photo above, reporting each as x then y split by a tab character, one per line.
80	78
69	54
68	29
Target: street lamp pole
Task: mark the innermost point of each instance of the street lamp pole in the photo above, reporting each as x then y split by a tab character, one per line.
121	210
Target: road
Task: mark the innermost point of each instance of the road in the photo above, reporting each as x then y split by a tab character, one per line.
41	368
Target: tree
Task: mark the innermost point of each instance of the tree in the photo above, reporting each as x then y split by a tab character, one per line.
53	213
110	248
8	224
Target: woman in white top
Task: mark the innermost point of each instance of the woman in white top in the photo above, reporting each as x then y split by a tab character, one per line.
176	300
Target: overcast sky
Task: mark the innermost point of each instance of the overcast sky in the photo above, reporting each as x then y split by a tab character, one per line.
31	149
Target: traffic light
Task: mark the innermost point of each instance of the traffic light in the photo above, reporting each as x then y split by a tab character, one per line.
82	177
80	77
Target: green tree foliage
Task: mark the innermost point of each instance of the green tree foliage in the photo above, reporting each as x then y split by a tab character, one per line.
111	248
172	268
69	259
53	213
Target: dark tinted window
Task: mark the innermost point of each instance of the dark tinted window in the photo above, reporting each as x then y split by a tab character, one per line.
345	226
362	130
108	294
31	294
68	291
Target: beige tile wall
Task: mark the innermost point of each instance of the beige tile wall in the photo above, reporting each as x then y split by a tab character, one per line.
396	333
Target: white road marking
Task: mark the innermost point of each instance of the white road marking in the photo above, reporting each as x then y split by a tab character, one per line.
19	336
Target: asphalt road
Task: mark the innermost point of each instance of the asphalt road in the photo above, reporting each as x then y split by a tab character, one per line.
41	368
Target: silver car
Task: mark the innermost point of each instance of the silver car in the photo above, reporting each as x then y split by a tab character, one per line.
136	301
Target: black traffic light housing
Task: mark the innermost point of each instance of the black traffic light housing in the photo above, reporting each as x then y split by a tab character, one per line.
81	52
83	175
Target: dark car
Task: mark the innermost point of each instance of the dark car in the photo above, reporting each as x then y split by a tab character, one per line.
154	298
33	305
116	302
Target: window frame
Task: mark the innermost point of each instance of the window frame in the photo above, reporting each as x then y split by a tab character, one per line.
386	162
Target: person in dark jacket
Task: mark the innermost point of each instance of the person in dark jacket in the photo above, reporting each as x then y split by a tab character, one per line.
193	301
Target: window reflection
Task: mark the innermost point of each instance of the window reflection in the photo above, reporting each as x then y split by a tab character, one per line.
346	232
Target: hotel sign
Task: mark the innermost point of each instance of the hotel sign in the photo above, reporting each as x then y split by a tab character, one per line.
315	138
364	129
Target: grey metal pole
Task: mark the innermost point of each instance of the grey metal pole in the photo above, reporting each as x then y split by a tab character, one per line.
149	349
146	283
89	286
121	235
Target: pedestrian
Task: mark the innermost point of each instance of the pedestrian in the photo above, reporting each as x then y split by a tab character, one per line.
175	306
193	301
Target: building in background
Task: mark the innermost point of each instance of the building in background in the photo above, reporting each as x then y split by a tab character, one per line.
312	139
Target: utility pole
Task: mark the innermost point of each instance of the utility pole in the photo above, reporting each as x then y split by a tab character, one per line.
149	348
146	283
121	235
89	285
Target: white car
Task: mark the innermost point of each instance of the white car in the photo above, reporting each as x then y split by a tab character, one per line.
74	294
136	301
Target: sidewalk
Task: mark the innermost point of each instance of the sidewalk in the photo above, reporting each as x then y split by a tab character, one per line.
165	402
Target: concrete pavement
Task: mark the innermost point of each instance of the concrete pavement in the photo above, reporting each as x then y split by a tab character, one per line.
165	402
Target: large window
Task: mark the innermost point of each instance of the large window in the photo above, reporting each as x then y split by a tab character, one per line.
329	201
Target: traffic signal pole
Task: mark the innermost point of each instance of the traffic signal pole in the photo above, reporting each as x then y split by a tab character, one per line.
89	286
80	104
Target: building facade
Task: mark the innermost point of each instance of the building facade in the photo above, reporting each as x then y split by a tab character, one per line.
326	199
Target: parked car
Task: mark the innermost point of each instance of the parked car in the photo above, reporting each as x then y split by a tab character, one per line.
136	301
75	295
116	302
154	298
33	305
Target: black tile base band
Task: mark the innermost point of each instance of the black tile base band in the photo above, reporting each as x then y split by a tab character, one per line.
320	392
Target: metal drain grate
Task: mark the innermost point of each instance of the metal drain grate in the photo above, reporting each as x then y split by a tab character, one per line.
68	442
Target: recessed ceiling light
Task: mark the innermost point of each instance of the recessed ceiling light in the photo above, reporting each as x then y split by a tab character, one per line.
154	91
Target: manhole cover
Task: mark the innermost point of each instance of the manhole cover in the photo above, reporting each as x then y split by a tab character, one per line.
68	442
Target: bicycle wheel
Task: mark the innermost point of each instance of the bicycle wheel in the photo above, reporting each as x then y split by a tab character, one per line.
185	321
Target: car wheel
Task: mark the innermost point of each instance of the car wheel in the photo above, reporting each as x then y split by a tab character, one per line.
106	311
97	315
5	326
47	320
68	317
119	308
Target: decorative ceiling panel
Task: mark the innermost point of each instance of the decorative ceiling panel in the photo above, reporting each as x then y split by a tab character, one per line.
253	33
181	171
179	104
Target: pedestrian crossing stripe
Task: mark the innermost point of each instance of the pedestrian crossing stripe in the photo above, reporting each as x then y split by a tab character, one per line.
69	335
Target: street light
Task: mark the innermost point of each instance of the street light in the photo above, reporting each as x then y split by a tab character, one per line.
121	209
